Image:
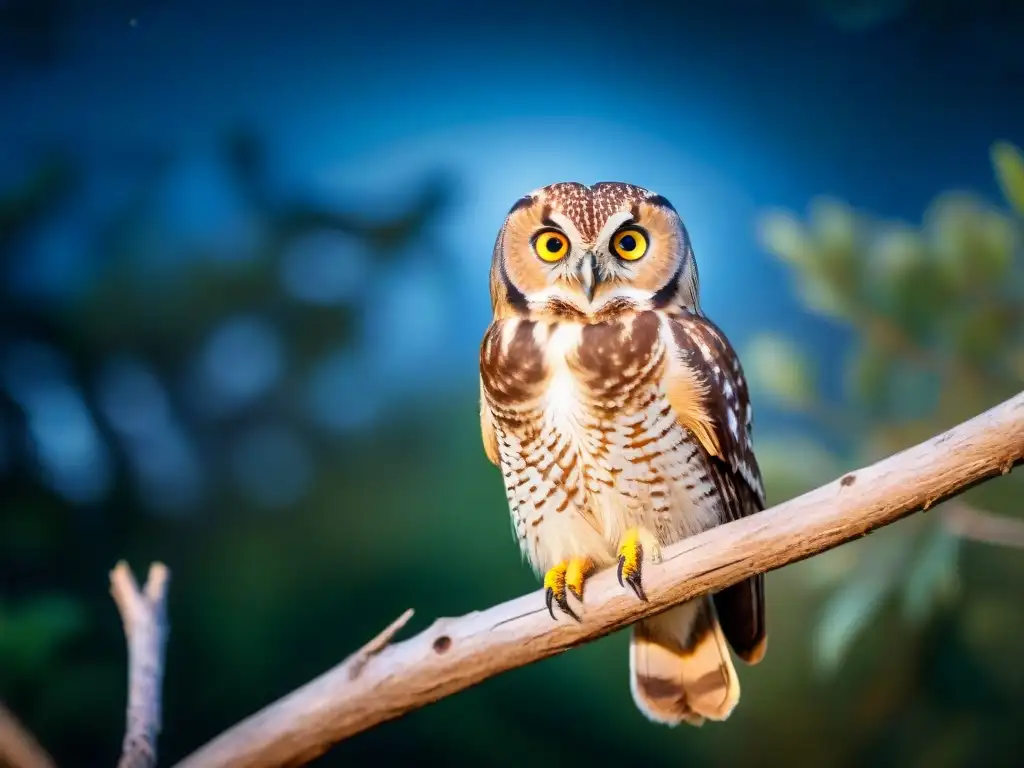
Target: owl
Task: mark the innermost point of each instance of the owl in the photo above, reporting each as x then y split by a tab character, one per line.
620	419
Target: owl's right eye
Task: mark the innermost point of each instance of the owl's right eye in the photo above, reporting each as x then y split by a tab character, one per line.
551	245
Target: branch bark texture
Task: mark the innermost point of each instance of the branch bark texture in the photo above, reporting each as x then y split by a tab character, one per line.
456	653
144	614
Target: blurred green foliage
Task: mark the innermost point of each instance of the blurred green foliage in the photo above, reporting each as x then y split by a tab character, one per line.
914	629
935	315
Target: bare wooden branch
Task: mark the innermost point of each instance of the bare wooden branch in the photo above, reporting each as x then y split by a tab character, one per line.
145	628
18	747
454	654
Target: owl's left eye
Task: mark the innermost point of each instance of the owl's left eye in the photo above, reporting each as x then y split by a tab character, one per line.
551	245
629	244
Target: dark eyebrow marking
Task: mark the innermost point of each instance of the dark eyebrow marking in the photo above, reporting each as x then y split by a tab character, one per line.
667	292
545	218
660	201
523	202
515	297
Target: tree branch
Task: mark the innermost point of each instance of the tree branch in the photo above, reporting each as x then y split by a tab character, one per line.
454	654
18	747
145	628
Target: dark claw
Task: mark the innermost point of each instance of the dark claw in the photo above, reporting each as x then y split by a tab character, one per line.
563	603
634	580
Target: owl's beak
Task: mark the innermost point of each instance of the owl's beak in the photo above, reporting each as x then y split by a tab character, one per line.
588	276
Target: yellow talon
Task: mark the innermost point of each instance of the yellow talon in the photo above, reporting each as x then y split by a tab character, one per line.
567	576
576	574
635	544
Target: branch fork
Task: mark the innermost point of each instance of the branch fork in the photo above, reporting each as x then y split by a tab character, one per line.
144	615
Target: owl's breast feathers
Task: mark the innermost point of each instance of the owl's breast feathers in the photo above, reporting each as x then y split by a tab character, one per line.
645	407
639	420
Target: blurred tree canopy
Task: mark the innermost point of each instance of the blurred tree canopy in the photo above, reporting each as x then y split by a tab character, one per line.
936	320
213	387
212	410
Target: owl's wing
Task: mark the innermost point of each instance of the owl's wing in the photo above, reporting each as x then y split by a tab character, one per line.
708	392
487	429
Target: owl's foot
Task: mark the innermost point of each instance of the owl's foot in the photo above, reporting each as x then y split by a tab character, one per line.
568	576
636	544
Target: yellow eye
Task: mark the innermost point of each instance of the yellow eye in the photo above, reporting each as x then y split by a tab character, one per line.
629	244
551	245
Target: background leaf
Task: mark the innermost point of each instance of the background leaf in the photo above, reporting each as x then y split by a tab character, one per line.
846	614
932	574
1008	162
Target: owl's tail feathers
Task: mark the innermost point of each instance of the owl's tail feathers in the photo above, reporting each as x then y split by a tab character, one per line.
679	666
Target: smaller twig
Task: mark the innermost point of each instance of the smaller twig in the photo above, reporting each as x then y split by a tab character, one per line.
144	615
18	747
975	524
358	659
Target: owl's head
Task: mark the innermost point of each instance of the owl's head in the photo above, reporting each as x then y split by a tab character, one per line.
570	249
